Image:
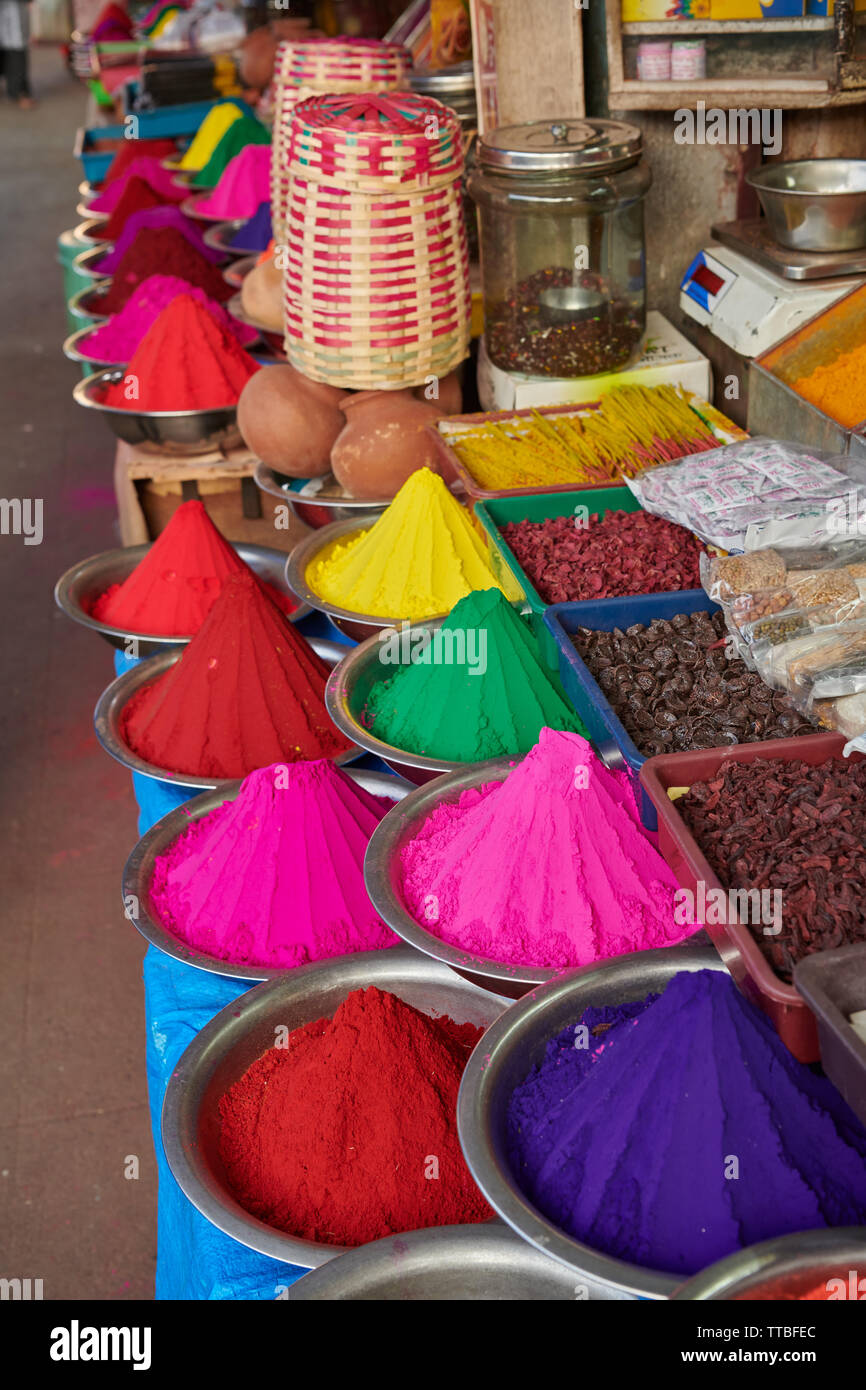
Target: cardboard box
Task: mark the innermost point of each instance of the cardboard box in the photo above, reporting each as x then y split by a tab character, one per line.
667	357
637	11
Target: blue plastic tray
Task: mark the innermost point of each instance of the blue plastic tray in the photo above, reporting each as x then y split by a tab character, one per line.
166	122
581	687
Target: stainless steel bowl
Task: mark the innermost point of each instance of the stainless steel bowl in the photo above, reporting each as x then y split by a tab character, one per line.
84	208
235	272
814	204
87	191
381	875
191	207
318	507
793	1264
138	874
445	1263
73	349
175	431
360	626
92	230
116	696
504	1058
346	695
87	305
243	1031
235	307
87	261
91	577
219	238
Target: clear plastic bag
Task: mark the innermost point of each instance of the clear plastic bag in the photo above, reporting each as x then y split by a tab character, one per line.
831	667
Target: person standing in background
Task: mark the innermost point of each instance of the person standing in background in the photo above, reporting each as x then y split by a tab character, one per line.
14	55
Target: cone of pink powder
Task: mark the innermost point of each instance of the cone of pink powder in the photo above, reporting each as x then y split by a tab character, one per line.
244	185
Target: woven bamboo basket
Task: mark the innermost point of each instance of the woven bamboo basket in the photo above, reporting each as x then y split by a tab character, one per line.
314	67
376	265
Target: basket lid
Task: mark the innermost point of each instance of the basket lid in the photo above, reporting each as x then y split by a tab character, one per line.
581	145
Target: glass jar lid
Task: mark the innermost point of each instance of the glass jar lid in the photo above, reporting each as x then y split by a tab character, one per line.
577	145
444	82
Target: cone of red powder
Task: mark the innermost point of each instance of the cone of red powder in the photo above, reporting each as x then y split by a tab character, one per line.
248	691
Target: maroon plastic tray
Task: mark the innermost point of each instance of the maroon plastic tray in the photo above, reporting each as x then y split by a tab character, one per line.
791	1015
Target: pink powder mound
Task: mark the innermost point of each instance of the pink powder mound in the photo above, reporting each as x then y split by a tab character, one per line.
276	877
245	183
147	168
549	868
117	339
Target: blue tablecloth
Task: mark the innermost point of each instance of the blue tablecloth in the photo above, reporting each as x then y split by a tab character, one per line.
194	1259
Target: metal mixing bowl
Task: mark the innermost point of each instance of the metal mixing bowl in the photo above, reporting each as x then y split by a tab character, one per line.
87	305
503	1059
346	695
244	1030
72	348
86	261
318	509
92	230
235	271
360	626
791	1264
91	577
138	874
175	431
116	696
219	237
191	207
381	875
445	1263
814	204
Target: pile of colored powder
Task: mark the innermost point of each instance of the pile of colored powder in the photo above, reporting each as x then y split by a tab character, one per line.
607	556
187	360
161	217
145	170
688	1133
244	184
276	877
478	688
209	134
246	131
549	868
117	340
130	150
256	234
172	590
137	197
248	691
420	558
349	1133
838	388
163	251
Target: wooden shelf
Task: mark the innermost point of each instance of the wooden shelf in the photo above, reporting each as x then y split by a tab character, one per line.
806	24
670	96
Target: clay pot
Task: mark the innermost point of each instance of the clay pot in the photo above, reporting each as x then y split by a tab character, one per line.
450	399
384	441
290	422
258	51
262	295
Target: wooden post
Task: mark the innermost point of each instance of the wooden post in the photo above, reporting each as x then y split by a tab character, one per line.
539	59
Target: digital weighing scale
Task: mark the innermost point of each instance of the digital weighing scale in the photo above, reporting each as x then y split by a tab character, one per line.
747	293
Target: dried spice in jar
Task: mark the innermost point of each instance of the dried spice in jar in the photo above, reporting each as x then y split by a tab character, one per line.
673	686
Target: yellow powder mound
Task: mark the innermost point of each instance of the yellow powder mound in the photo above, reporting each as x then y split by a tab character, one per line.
422	556
839	388
209	134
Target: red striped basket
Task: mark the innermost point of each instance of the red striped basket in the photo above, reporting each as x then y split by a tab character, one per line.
375	260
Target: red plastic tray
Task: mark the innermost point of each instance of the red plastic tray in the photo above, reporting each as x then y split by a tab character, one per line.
793	1019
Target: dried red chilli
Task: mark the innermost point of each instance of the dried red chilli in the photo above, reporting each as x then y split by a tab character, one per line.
619	554
786	825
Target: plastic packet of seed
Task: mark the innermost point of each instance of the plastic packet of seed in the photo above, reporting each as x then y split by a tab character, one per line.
771	659
831	666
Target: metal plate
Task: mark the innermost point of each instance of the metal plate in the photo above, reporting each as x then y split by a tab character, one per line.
243	1031
383	882
508	1052
797	1263
91	577
138	874
116	696
446	1263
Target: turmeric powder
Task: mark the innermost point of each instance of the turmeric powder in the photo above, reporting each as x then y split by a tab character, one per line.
838	388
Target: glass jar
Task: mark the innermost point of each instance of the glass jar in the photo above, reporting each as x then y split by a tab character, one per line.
455	87
563	260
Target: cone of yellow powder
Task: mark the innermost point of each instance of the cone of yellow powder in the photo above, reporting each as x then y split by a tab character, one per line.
421	557
209	134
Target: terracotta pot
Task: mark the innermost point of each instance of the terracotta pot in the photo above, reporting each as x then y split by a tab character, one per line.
262	295
384	441
450	399
290	422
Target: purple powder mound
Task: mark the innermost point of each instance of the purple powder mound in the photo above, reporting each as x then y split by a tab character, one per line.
256	232
684	1131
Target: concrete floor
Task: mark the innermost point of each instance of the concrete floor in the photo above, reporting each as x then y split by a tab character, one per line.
72	1065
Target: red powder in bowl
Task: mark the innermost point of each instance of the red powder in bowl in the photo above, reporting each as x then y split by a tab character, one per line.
162	251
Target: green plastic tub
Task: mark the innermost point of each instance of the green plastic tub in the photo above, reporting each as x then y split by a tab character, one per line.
541	506
68	247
